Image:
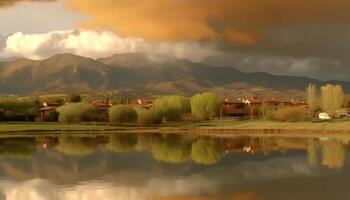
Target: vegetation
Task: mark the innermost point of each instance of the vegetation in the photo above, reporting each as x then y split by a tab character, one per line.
122	114
144	117
332	98
205	106
312	99
74	112
170	108
73	98
49	127
291	114
266	112
51	116
18	109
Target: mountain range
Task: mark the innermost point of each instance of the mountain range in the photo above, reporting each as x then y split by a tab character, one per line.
143	74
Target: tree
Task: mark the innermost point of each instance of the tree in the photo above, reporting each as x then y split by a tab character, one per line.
205	106
312	99
144	116
332	98
266	111
74	112
170	108
73	98
122	114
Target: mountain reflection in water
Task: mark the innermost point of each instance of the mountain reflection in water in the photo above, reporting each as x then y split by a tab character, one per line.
170	166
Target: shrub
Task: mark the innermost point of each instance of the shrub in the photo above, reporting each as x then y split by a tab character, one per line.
122	114
144	117
266	112
291	114
73	98
170	108
205	106
48	117
73	112
18	109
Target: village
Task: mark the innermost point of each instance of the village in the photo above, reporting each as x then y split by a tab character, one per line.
239	108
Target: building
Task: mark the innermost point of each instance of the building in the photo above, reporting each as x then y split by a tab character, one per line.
251	107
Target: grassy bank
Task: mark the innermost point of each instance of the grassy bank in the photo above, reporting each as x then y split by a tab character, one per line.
212	126
270	126
42	127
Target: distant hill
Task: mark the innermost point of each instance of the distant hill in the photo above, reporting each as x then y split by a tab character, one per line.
143	74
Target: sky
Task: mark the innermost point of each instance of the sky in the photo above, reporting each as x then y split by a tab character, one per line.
289	37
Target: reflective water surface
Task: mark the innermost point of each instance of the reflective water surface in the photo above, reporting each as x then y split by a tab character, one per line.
175	167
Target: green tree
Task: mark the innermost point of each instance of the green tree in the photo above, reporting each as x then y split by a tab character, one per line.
207	151
144	117
73	98
170	108
122	114
205	106
312	99
74	112
332	98
266	111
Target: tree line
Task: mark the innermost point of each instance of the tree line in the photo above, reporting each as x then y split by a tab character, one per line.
329	98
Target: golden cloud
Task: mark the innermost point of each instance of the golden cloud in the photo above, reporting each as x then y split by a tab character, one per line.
239	21
7	3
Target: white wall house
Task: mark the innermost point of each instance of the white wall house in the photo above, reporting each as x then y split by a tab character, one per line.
324	115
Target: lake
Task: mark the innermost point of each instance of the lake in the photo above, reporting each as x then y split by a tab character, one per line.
173	167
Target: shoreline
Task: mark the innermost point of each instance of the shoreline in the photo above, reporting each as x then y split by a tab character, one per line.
210	127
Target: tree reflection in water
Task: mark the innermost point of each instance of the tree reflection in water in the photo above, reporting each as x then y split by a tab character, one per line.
207	151
313	152
238	196
76	146
333	153
176	149
122	143
171	148
17	147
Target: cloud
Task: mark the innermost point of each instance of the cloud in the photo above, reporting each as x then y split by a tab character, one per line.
7	3
238	21
314	67
95	44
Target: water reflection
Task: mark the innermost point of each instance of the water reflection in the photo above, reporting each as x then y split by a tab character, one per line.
170	166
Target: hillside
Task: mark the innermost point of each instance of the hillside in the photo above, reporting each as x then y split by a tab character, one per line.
143	74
